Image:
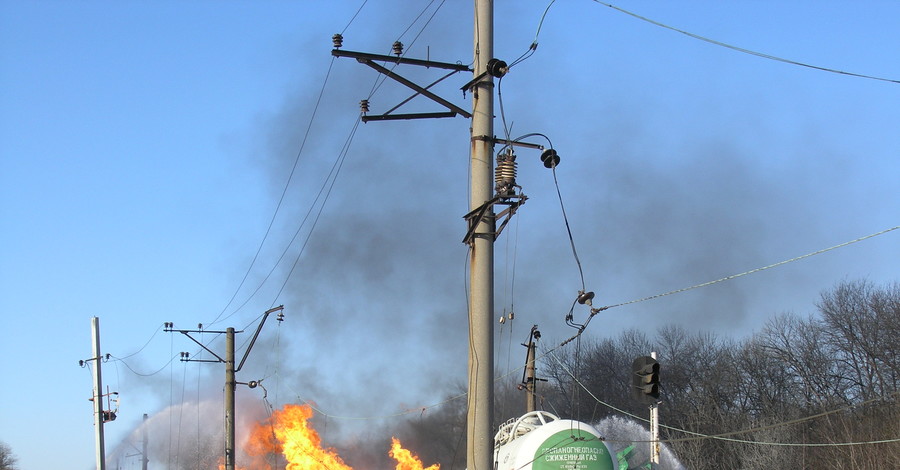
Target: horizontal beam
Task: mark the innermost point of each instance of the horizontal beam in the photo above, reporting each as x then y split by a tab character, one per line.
398	117
400	60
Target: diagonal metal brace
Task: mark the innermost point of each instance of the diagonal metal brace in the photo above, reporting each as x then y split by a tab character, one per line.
421	90
369	59
476	216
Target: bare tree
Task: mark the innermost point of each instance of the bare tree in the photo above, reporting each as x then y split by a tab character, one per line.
8	460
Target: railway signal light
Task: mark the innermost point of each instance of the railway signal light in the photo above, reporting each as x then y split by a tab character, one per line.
645	378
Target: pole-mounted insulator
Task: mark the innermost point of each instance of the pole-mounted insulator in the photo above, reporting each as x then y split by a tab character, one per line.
550	158
505	173
364	106
337	40
397	48
497	68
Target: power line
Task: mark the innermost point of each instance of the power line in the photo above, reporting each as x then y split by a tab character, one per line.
335	171
745	51
278	206
595	311
734	276
724	436
354	16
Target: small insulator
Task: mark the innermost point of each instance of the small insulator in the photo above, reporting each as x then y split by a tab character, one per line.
497	68
364	106
505	174
585	297
338	40
550	158
397	48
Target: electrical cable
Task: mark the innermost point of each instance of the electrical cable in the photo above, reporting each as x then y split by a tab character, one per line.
595	311
746	51
534	44
568	228
724	436
278	206
144	374
340	163
752	271
380	79
354	17
145	344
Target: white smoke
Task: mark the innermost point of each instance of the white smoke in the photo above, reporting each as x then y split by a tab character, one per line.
623	432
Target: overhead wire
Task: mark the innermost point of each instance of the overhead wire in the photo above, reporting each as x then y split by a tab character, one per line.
358	10
534	44
335	171
380	79
568	228
278	206
746	51
725	436
595	311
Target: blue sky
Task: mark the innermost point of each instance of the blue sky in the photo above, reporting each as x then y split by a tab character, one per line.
145	147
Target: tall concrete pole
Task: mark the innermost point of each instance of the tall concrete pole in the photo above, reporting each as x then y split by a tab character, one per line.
144	459
654	428
530	378
98	394
479	438
229	398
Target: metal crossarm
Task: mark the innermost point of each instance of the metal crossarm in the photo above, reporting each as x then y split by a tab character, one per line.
369	59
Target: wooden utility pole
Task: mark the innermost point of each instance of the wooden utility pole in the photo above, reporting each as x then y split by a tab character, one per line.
479	438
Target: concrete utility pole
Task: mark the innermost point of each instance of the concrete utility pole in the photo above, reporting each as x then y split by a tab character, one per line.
230	370
530	378
144	459
654	428
230	387
98	394
479	438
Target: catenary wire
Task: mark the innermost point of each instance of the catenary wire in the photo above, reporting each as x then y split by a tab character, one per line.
746	51
568	228
534	43
145	344
734	276
724	436
342	159
280	202
595	311
380	79
354	16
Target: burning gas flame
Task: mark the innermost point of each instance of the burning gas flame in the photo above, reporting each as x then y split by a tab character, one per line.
406	460
288	432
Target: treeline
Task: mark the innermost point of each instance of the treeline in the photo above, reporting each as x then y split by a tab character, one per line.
805	392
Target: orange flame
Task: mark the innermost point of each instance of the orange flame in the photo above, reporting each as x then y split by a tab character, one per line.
288	432
406	460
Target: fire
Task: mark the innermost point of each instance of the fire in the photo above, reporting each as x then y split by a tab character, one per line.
406	460
288	432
